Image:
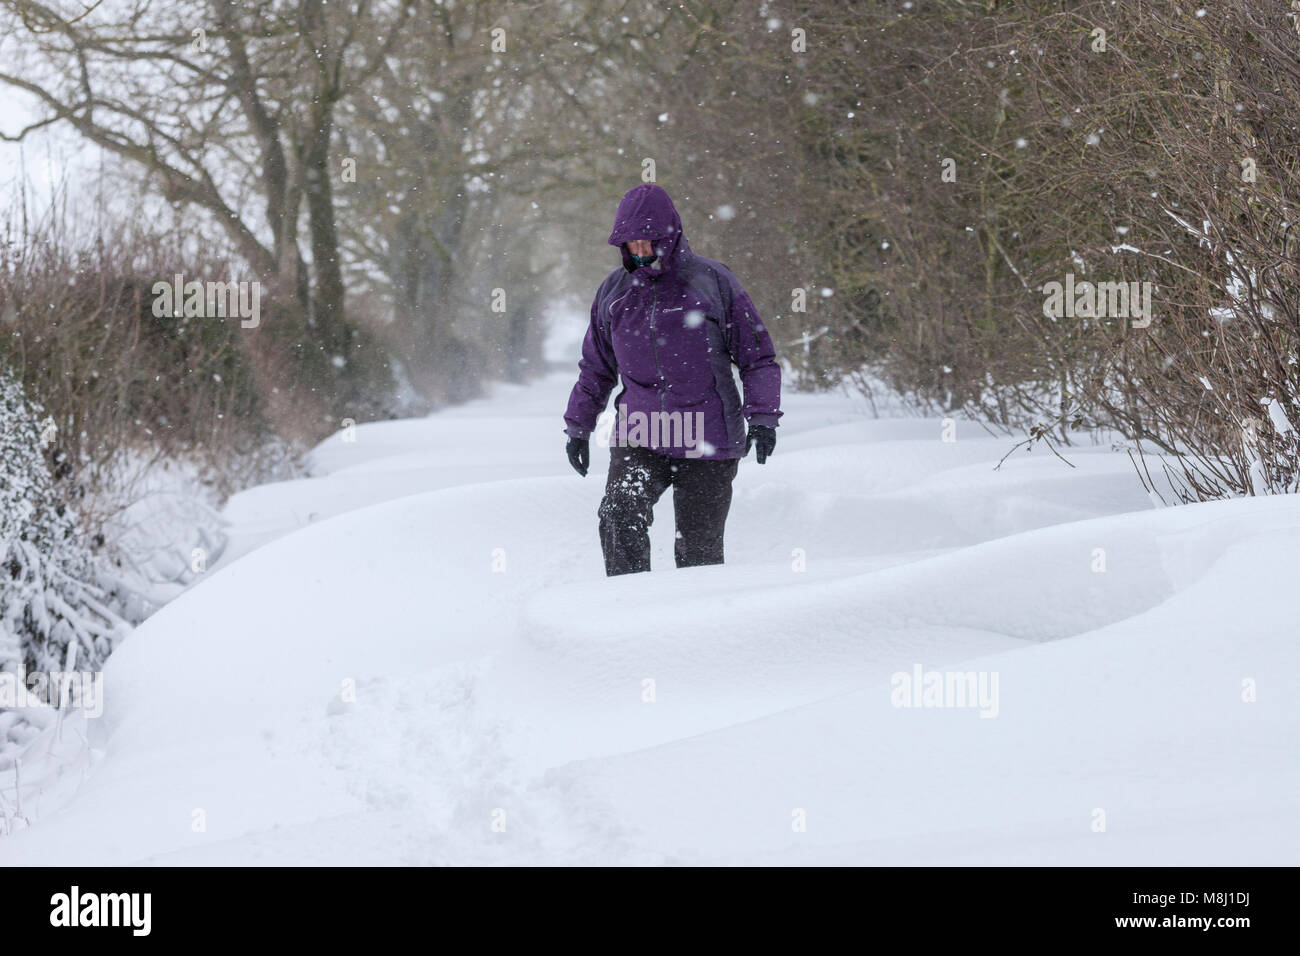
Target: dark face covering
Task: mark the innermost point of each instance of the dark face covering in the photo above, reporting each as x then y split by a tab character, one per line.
641	261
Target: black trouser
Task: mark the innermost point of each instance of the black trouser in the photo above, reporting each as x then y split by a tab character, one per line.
701	499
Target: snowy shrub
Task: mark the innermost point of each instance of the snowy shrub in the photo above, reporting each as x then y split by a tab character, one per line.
1003	150
49	602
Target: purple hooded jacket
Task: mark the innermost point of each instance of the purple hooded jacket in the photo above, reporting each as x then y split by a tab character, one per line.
672	330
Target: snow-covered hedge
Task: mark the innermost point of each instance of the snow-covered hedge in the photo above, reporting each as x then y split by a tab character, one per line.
48	599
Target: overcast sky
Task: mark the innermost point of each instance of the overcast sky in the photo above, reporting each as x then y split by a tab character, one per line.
43	156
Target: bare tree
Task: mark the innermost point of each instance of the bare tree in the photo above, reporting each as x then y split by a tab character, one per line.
231	110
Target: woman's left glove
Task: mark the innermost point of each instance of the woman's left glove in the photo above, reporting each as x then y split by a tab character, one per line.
764	436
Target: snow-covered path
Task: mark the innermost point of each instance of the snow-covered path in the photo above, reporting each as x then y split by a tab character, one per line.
414	657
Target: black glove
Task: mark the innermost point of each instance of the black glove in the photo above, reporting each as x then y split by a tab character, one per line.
764	436
579	455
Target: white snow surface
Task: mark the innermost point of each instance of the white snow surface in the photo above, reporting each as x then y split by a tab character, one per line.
1147	666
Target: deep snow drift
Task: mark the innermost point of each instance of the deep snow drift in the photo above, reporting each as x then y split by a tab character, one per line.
414	657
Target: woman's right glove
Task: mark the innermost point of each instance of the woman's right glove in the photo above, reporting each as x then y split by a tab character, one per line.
579	455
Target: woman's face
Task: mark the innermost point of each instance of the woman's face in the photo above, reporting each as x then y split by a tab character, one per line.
640	247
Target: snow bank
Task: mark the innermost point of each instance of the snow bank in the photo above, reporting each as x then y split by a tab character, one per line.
423	663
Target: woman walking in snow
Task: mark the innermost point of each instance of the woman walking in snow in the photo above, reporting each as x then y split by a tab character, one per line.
671	324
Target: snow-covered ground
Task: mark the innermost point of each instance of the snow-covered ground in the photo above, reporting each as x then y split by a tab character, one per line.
414	657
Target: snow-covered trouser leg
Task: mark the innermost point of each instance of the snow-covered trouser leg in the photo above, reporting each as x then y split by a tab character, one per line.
637	477
701	500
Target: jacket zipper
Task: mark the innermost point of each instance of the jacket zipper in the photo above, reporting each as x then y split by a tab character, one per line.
654	343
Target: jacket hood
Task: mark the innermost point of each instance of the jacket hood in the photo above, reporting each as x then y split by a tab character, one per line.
646	212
